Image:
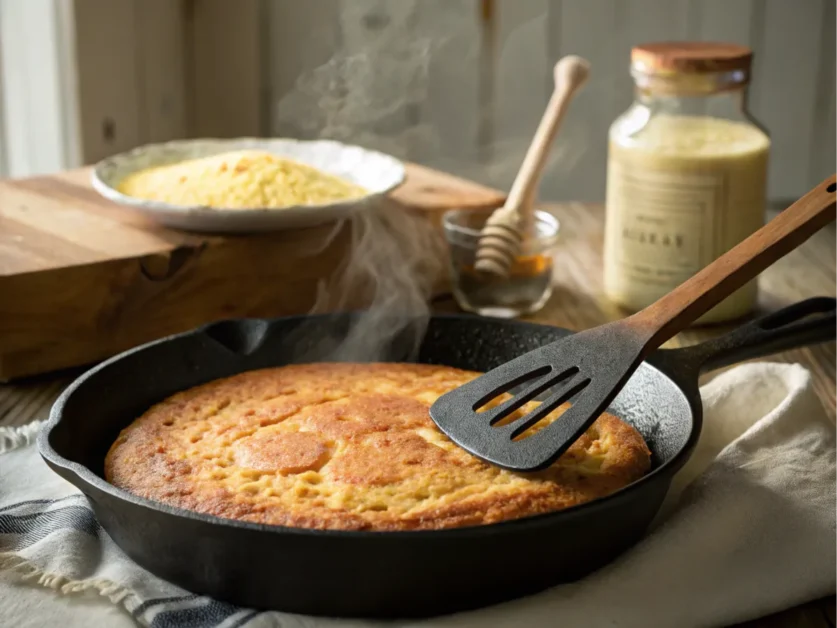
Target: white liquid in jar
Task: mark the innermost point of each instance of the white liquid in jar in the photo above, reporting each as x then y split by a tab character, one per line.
681	191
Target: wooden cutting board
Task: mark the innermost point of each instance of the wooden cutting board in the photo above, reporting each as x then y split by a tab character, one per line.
82	278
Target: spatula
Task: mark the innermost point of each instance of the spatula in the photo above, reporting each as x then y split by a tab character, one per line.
589	368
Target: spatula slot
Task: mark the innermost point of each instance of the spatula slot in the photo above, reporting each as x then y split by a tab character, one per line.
506	409
484	403
543	412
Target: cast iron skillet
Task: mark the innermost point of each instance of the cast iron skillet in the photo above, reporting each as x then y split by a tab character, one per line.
385	574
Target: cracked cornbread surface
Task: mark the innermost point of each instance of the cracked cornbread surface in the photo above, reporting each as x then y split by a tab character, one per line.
348	446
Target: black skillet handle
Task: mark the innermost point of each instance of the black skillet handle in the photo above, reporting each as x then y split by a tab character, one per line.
804	323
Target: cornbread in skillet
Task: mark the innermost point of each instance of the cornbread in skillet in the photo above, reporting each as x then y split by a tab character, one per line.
239	180
348	446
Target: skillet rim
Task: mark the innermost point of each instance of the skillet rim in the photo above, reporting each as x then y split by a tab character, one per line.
84	477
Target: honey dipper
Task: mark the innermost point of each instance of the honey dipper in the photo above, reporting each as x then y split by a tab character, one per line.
502	236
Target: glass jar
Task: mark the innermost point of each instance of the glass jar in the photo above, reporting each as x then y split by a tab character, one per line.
687	171
529	283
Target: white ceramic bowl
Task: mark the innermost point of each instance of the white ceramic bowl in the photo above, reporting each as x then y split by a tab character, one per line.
376	172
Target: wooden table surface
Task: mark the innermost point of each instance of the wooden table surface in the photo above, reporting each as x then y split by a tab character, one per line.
577	303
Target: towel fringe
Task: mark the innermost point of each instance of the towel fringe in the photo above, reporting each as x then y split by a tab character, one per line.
17	437
26	571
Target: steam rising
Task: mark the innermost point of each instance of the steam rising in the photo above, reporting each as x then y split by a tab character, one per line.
404	77
395	257
376	91
367	94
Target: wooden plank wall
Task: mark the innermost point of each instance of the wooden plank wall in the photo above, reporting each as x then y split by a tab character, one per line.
455	84
793	91
157	70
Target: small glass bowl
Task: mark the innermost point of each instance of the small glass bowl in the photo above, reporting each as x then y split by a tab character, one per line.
529	284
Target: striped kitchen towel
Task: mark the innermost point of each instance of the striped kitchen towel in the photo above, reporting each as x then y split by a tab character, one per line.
49	536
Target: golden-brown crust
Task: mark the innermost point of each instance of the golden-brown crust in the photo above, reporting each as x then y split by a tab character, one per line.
348	446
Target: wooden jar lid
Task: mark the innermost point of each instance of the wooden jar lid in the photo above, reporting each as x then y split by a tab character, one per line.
698	57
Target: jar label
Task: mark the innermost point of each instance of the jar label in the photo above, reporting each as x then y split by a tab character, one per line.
680	194
669	224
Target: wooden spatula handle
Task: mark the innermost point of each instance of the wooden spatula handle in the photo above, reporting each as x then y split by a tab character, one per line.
704	290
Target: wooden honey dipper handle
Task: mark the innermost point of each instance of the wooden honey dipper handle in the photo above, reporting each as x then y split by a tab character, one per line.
570	74
504	231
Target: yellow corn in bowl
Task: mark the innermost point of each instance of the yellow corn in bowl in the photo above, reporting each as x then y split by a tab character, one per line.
247	185
239	180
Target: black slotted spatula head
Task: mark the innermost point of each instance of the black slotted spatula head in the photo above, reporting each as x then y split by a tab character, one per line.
591	367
